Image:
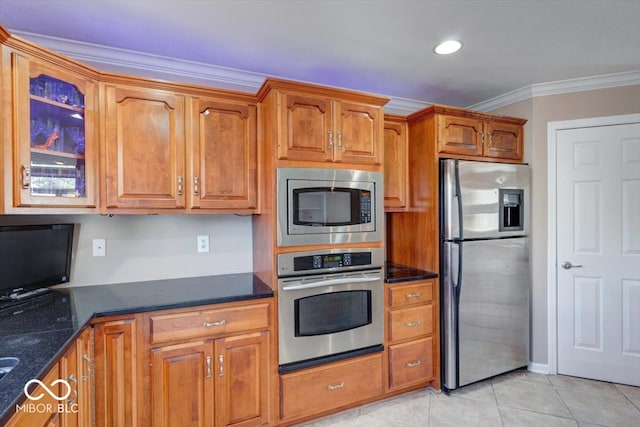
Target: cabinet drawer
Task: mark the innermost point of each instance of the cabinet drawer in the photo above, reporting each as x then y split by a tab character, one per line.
204	323
410	322
319	389
411	293
410	362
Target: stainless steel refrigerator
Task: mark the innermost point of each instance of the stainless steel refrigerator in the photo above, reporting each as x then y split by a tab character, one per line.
485	277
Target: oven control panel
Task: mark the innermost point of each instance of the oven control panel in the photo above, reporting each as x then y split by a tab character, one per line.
315	262
297	263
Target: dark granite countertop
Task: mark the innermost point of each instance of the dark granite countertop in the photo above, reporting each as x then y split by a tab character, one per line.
38	330
395	273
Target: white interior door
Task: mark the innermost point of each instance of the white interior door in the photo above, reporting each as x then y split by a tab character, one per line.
598	241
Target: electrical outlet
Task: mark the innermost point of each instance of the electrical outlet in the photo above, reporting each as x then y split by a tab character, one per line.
99	247
203	243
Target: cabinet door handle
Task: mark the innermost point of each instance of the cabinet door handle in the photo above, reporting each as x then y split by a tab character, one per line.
481	138
72	379
335	387
340	141
330	140
413	364
208	366
412	324
195	185
179	186
26	177
221	368
490	140
87	362
416	295
220	323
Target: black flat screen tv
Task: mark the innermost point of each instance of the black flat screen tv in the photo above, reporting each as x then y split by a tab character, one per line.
34	256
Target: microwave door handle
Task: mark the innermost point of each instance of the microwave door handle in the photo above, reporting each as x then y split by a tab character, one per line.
329	282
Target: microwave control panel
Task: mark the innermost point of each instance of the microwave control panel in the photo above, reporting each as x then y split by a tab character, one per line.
365	207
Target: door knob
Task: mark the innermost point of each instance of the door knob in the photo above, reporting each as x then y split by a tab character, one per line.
567	265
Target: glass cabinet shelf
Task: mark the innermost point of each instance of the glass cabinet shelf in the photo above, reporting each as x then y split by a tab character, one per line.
57	138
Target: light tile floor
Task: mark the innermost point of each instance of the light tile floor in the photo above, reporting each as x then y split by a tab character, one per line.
519	398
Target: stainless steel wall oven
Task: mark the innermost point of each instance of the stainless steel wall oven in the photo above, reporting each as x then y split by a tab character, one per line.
330	305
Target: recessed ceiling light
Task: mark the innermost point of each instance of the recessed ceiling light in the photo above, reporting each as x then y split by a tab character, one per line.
447	47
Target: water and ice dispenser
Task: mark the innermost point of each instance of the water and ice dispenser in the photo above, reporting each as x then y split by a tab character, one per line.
511	209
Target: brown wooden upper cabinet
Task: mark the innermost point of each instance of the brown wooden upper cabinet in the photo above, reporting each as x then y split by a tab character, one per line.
54	160
308	123
167	150
144	148
327	130
461	135
395	163
223	155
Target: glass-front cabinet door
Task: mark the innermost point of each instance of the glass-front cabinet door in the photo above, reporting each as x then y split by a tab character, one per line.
54	161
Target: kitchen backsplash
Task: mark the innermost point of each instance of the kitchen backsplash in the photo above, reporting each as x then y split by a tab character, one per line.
150	247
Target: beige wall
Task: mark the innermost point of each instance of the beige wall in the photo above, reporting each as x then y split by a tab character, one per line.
148	247
539	112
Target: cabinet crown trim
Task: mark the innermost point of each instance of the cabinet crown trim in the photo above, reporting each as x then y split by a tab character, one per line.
460	112
314	89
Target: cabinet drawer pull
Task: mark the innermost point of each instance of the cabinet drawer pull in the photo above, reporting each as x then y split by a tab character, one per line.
196	182
26	177
221	369
208	360
179	186
413	364
335	387
339	141
416	295
220	323
412	324
330	140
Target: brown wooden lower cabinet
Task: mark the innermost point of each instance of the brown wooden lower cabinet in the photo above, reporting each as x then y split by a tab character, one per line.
220	372
334	386
411	334
76	410
205	383
115	373
182	385
410	363
242	384
75	368
208	365
44	412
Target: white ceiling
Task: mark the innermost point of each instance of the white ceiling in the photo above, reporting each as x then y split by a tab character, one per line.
379	46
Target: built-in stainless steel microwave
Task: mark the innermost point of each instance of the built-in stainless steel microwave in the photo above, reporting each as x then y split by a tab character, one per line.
321	206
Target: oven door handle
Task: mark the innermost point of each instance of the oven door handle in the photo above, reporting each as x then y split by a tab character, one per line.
329	282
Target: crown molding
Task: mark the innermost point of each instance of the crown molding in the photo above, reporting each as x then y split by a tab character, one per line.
605	81
156	66
404	106
121	60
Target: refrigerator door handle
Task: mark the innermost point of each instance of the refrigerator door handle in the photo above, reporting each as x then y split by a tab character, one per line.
457	285
458	197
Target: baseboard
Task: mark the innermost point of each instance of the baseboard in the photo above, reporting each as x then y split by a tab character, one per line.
538	368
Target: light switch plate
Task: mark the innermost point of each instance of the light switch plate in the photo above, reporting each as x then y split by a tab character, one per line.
203	243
